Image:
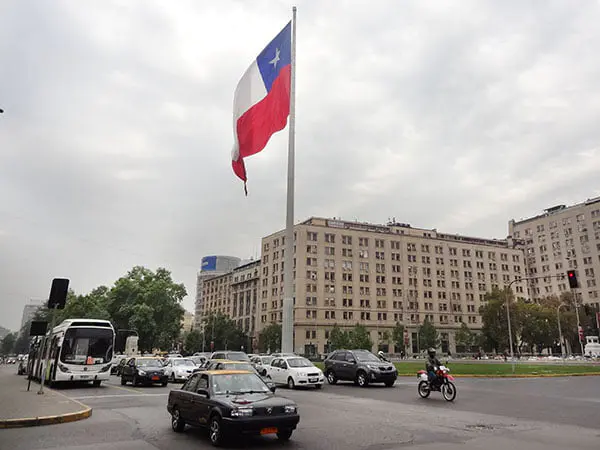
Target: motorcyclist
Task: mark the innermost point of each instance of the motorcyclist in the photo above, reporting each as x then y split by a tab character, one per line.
381	355
432	364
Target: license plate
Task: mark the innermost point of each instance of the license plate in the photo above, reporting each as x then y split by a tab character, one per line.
83	377
313	380
271	430
155	378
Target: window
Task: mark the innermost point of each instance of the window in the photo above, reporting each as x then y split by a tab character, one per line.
347	240
311	236
379	243
363	242
330	238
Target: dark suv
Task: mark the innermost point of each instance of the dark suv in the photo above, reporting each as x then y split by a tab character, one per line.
360	366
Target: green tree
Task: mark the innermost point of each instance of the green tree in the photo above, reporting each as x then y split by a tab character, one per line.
8	343
428	335
464	338
269	338
338	338
144	300
192	342
224	332
494	322
398	337
360	338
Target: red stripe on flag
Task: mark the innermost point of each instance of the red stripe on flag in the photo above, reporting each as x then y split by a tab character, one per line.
256	126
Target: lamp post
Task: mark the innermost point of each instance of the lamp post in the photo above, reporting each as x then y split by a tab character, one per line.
560	336
506	292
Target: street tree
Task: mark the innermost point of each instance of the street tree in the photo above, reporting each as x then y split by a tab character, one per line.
464	338
360	338
398	337
8	343
338	338
223	332
192	342
494	323
269	339
428	335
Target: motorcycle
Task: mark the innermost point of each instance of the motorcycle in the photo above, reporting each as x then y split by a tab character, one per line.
443	383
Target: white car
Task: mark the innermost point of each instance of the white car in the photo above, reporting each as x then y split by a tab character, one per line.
295	371
179	369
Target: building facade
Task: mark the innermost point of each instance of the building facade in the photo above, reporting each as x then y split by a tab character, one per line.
235	294
187	323
560	239
29	311
379	275
211	267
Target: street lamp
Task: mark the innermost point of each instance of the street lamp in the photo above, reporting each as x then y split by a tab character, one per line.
506	291
560	336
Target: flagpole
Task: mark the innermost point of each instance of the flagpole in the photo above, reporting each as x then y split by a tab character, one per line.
287	325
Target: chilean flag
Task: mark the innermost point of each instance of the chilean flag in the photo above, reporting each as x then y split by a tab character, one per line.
261	103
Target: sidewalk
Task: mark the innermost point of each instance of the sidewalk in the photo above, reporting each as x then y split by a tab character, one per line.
19	408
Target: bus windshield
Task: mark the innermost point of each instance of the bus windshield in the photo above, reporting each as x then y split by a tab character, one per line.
87	345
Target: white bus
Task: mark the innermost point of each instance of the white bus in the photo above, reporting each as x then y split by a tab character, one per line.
77	350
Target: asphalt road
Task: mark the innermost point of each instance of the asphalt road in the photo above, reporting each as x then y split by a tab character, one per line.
554	413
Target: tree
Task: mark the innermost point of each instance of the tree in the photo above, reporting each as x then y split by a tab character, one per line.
145	300
192	342
428	335
360	338
8	343
338	338
398	337
493	316
223	331
464	338
269	338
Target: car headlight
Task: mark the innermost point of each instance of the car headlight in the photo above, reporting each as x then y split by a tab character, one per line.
290	409
141	372
242	412
372	367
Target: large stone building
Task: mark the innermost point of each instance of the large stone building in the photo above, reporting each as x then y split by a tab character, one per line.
560	239
235	293
211	266
379	275
29	311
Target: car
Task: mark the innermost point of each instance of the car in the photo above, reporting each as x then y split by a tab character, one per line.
231	403
260	363
360	366
117	364
295	371
282	355
224	364
179	369
144	370
230	355
198	360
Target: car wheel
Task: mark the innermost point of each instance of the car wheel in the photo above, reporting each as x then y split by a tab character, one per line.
177	422
123	381
214	431
318	386
284	435
389	383
331	378
164	384
97	383
290	383
361	379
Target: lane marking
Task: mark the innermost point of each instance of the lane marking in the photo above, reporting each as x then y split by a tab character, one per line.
124	389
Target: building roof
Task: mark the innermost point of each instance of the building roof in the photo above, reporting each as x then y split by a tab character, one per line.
558	209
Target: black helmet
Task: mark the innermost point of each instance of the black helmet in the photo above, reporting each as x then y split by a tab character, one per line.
431	352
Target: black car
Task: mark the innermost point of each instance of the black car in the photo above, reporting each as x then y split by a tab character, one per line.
144	371
360	366
231	403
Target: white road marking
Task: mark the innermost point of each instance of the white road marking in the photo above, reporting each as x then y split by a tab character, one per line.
118	396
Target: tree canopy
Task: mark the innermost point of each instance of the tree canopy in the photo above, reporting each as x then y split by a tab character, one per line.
428	335
358	337
269	338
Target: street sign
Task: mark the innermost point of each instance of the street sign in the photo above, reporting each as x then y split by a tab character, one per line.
38	328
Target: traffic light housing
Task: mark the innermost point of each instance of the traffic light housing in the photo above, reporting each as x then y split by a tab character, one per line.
58	293
572	276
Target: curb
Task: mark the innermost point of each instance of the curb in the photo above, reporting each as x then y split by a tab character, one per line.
48	420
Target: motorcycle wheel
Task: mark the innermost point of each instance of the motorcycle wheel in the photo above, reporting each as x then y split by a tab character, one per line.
423	389
449	391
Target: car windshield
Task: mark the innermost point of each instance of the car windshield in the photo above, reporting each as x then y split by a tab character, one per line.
237	356
366	356
239	366
266	360
149	363
299	362
183	362
238	383
87	346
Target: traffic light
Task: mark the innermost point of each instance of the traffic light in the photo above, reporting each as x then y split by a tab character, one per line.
572	276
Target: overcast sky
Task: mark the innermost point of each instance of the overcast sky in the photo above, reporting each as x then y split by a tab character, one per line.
115	144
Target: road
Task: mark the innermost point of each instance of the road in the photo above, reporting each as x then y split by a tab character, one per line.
554	413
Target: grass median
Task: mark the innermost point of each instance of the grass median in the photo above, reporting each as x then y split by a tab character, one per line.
498	369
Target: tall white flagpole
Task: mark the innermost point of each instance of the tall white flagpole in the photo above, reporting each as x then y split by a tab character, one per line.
287	325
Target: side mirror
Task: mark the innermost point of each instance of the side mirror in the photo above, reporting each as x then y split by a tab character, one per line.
272	388
203	392
352	361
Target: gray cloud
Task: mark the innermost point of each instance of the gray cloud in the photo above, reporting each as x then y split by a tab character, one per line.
115	144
